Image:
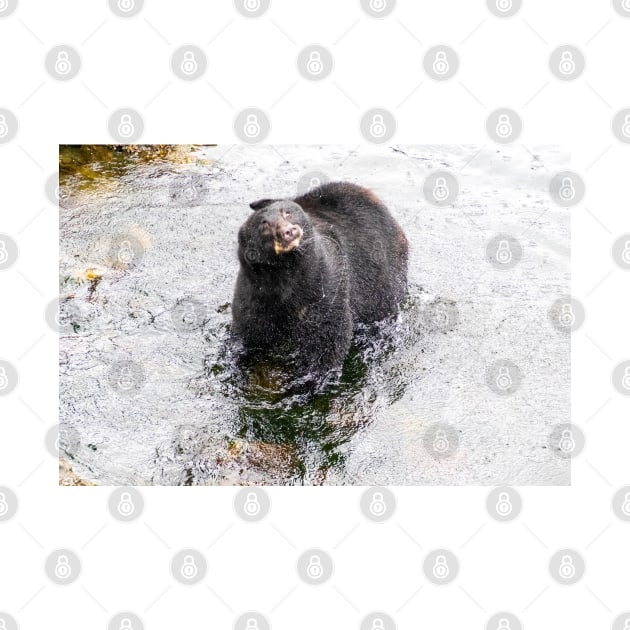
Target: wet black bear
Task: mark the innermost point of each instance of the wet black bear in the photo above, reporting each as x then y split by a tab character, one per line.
311	270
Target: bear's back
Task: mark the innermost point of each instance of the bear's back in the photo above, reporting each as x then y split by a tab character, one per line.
371	242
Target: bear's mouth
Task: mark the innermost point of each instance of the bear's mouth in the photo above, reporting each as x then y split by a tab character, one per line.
288	240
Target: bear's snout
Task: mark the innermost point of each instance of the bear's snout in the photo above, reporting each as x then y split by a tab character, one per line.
287	233
286	236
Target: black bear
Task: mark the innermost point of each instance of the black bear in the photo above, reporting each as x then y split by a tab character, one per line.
312	269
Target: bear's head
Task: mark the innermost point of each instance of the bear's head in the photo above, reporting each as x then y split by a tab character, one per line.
274	232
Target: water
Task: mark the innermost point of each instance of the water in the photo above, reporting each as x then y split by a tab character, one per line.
149	393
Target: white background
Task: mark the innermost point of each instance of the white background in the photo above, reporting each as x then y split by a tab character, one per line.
377	63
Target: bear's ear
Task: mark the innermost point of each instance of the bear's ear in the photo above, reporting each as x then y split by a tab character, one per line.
261	203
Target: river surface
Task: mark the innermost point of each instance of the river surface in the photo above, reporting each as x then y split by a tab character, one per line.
148	388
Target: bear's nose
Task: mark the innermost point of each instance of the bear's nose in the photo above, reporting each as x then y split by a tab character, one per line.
288	233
